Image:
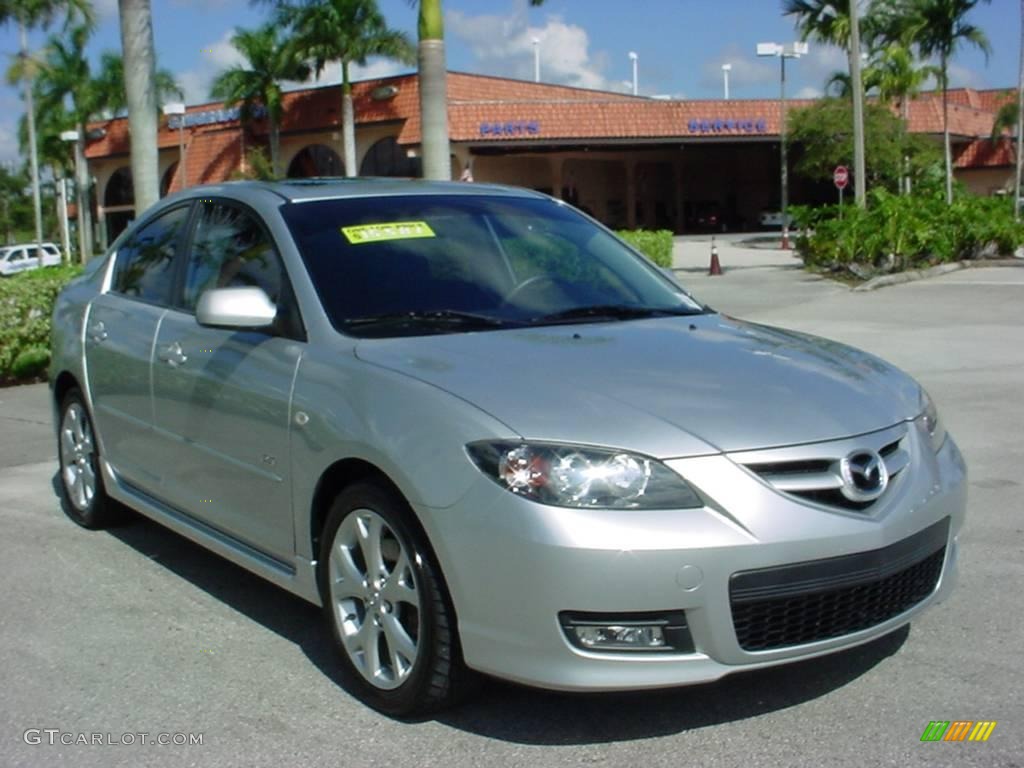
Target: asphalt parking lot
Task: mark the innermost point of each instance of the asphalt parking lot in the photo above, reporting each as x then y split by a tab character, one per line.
135	630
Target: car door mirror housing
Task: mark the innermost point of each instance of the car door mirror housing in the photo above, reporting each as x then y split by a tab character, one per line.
243	307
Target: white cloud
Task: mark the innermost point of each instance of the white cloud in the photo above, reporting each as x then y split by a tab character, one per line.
212	59
503	45
375	68
105	8
809	92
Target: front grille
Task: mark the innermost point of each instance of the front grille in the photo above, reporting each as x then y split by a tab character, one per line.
811	473
818	600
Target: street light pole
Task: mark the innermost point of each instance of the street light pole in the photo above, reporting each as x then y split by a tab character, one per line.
859	186
726	68
793	51
536	59
636	82
84	244
65	237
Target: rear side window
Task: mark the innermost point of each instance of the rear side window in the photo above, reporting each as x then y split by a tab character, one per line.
145	261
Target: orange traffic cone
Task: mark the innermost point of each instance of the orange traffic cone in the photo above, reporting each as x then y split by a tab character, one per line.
716	268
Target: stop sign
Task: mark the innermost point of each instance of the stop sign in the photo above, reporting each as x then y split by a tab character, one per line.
841	176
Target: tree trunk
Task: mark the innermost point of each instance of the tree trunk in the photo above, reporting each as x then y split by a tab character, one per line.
275	146
945	133
30	118
1017	191
140	90
348	123
433	93
905	111
83	197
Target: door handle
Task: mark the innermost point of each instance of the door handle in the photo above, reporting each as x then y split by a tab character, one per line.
98	332
172	354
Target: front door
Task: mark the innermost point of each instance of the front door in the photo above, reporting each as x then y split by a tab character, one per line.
119	333
221	396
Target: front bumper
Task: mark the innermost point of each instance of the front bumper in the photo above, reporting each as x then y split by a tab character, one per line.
514	566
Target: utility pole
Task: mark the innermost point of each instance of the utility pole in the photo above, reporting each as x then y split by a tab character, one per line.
859	187
1020	123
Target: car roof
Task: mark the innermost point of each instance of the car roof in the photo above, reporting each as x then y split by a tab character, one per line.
326	188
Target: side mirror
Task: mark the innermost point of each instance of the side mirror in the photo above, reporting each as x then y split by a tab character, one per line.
245	307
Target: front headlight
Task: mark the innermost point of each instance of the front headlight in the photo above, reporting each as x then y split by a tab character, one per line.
572	476
930	422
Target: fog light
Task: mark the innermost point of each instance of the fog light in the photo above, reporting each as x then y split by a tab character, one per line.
620	637
651	632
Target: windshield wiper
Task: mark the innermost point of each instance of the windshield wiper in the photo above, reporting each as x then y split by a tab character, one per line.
614	311
446	317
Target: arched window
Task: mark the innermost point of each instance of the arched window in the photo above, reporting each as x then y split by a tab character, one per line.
120	189
386	158
316	160
165	180
120	196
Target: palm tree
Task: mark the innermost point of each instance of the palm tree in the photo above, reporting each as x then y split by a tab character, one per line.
940	28
1006	119
64	78
347	31
269	61
434	90
29	14
898	78
140	75
64	74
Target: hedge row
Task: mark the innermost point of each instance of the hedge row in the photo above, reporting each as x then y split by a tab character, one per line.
896	233
26	303
656	245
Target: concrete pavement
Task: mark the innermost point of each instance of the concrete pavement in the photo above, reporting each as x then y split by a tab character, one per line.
137	630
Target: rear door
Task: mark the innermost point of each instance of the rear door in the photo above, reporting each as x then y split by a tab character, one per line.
222	396
120	329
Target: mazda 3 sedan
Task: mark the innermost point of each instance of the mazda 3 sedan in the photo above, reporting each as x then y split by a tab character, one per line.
487	436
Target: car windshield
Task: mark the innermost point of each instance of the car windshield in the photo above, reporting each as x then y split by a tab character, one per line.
419	264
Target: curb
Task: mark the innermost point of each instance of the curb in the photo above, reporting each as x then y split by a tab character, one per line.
913	275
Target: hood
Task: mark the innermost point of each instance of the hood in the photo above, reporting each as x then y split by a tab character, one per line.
666	387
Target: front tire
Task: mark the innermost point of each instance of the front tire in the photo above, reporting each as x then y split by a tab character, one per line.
83	496
387	606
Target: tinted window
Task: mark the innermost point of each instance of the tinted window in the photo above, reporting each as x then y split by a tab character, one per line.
229	249
513	260
145	261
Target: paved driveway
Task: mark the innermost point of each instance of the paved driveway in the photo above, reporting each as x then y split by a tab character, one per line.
136	630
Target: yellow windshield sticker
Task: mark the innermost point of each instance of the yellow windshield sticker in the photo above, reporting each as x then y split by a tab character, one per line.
394	230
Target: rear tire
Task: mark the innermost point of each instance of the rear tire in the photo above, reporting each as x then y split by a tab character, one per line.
387	607
83	496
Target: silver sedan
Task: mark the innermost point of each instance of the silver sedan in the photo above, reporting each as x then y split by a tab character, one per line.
487	436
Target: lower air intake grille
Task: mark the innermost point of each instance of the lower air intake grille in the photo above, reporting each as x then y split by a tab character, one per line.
813	601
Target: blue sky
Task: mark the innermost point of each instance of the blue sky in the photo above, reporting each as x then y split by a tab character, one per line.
681	45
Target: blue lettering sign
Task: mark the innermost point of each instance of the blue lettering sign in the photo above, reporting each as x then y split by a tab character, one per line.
727	125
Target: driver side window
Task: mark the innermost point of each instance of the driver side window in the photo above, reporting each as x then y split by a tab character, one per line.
231	249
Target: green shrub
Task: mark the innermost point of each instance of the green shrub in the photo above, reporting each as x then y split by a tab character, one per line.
896	232
656	245
26	304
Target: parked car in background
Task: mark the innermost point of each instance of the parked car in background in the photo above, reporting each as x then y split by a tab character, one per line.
772	219
486	435
21	258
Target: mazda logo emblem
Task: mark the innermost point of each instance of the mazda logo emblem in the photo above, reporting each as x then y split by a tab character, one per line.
864	476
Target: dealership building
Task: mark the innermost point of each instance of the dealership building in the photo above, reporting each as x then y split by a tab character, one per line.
630	161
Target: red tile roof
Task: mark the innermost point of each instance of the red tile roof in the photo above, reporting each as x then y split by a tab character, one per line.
212	155
483	108
984	153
